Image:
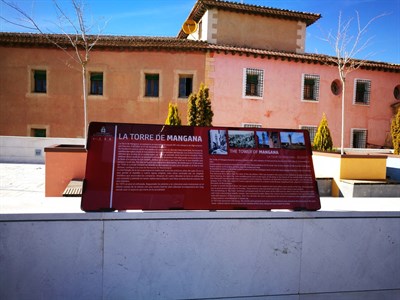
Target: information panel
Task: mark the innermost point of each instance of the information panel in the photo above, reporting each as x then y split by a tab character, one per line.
157	167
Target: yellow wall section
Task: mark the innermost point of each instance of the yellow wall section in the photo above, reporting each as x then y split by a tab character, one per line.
348	167
363	168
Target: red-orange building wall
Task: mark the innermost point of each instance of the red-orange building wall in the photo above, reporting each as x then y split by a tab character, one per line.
60	110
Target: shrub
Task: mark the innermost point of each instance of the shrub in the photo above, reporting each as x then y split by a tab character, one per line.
395	132
322	139
199	108
192	111
173	115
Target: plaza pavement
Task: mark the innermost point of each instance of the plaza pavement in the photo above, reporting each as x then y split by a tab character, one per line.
22	190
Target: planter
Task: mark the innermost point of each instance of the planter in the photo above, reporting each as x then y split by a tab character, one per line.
325	186
62	164
348	167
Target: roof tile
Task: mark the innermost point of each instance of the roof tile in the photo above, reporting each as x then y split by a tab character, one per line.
140	43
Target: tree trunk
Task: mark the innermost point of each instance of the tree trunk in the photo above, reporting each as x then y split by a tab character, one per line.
343	109
84	100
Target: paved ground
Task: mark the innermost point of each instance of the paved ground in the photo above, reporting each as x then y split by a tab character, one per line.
22	190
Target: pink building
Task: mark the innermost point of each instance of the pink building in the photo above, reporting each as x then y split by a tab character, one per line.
252	59
295	95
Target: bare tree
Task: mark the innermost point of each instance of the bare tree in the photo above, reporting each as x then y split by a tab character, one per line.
80	40
347	47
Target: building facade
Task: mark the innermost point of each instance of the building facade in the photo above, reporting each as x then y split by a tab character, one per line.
251	58
42	89
296	94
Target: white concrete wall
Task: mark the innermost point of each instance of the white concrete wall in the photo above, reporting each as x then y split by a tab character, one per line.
393	167
16	149
326	166
192	255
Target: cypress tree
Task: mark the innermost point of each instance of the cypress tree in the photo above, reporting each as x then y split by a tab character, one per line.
395	132
192	110
173	115
204	114
322	139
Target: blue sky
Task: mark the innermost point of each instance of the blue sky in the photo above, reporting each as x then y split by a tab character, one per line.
165	17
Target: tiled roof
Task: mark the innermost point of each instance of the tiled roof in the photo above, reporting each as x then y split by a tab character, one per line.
103	42
299	57
133	43
202	6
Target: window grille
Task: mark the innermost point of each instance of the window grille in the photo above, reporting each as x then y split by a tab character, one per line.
251	125
310	87
312	130
254	83
358	138
362	91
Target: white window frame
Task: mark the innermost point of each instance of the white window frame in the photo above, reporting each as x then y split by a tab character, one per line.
364	103
316	77
363	130
261	83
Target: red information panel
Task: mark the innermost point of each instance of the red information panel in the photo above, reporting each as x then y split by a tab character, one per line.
156	167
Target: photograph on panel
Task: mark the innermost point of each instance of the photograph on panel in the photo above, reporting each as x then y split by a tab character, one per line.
292	140
241	139
217	143
268	139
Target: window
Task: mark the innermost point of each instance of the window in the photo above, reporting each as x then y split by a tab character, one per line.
253	83
200	30
39	84
96	83
362	91
185	86
38	132
312	130
358	138
152	85
251	125
396	92
336	87
310	87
